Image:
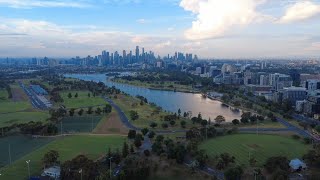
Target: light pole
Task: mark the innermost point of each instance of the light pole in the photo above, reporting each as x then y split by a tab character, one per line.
80	171
28	163
9	150
110	165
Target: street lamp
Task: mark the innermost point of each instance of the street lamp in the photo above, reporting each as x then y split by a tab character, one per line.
110	158
28	163
80	171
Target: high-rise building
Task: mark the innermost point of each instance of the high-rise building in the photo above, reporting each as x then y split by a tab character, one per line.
137	54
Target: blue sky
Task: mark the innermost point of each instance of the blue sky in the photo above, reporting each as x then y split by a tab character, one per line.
209	28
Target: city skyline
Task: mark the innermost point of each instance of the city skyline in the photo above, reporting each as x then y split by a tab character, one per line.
208	28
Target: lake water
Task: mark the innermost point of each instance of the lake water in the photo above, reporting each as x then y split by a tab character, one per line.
169	100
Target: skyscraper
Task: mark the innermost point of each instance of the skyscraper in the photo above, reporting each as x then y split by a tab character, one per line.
137	54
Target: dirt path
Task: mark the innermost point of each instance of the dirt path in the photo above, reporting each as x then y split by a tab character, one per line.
111	125
18	95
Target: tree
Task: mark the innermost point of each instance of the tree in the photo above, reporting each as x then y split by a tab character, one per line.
71	112
144	131
134	115
98	111
131	149
313	155
153	125
179	112
235	122
151	134
172	123
183	124
89	95
125	150
80	112
70	169
50	158
76	95
225	159
69	95
277	163
204	122
245	117
317	128
107	109
89	111
137	142
234	172
164	125
219	119
199	117
132	134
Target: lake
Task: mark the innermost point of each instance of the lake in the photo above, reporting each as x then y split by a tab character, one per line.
169	100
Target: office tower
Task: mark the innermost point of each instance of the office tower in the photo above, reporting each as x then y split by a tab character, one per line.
124	57
137	54
130	58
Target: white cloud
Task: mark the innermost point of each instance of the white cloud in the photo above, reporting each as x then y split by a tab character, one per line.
142	21
216	17
42	3
300	11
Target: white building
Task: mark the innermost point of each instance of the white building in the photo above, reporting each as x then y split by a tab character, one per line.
52	172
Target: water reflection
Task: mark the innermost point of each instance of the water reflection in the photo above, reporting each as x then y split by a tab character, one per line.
169	100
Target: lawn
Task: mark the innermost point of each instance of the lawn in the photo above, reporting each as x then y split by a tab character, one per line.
82	100
146	112
167	85
241	146
68	148
7	106
79	123
20	146
3	94
22	117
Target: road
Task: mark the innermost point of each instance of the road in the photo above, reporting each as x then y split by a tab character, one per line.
35	101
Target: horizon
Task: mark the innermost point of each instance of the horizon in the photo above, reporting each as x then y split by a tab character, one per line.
212	29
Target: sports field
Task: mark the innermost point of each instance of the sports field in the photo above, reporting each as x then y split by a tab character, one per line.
22	117
82	100
243	146
19	147
68	147
79	124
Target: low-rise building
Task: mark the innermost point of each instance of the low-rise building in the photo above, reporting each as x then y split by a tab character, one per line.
312	105
52	172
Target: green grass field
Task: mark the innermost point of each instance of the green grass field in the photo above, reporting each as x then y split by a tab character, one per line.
68	148
20	146
167	85
146	112
7	106
82	101
258	146
83	124
22	117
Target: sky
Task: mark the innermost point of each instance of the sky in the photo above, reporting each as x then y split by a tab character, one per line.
208	28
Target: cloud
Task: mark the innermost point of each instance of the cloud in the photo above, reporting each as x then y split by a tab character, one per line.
142	21
42	3
215	17
299	11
